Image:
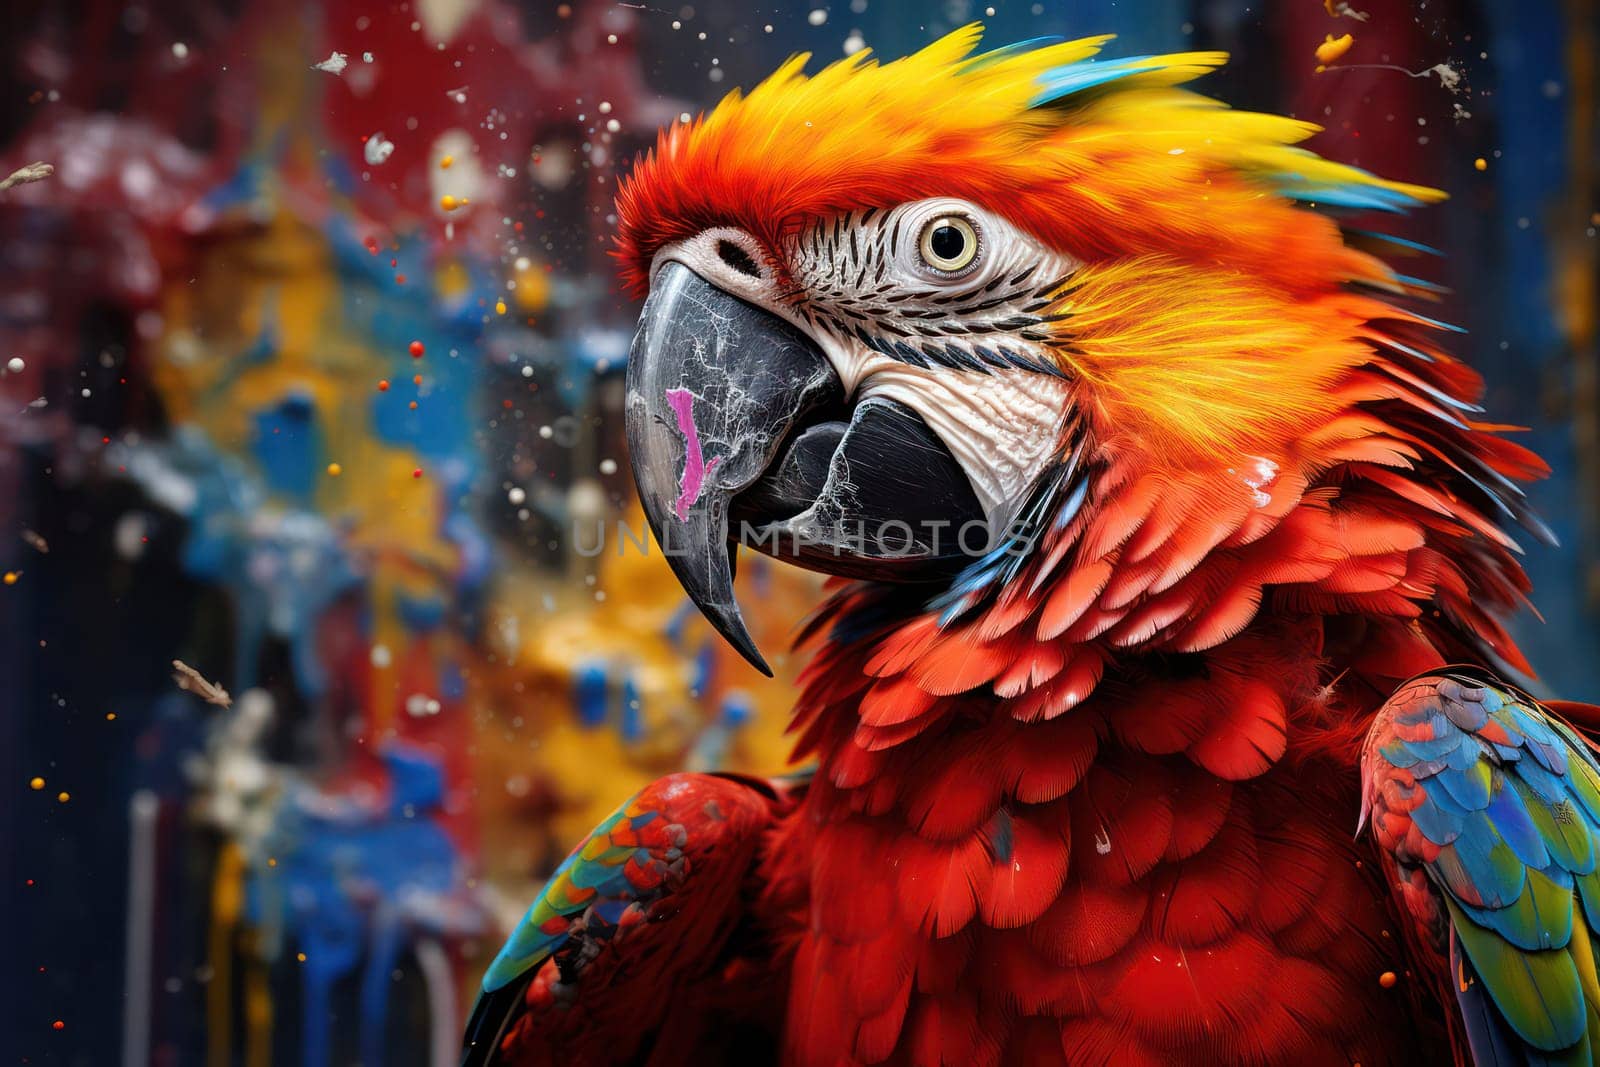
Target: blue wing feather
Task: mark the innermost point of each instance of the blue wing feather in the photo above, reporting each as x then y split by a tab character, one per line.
1494	799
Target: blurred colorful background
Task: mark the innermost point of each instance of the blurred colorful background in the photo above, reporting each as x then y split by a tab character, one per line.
310	379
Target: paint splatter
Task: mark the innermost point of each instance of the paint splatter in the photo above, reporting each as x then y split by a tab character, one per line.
377	149
1333	47
191	680
33	172
1339	9
695	469
334	64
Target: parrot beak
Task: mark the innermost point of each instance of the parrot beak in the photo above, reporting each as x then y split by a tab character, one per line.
735	416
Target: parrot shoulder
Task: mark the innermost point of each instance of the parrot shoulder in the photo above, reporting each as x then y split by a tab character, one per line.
1486	805
635	914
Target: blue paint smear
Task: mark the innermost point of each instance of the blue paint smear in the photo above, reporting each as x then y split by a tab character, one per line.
705	662
353	883
288	448
632	711
591	692
282	569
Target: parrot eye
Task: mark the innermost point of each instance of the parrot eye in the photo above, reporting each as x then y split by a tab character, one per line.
949	244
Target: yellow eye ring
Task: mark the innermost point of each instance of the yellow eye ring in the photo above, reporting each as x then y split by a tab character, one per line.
948	244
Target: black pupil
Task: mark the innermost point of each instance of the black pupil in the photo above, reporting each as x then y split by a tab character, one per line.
947	242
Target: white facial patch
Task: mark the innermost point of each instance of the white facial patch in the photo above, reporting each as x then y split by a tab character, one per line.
1002	427
967	350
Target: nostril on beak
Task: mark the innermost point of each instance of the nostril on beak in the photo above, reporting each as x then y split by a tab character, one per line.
738	259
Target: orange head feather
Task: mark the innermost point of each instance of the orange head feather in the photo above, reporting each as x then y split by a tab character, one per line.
1207	288
1237	360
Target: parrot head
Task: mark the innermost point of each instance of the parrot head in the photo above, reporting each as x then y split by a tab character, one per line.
930	321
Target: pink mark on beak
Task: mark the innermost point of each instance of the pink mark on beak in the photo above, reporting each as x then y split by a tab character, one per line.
695	468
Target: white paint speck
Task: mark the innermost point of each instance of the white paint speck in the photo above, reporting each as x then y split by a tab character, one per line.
334	64
420	704
1449	77
377	149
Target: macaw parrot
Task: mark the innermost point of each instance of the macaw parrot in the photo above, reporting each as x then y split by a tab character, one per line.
1168	541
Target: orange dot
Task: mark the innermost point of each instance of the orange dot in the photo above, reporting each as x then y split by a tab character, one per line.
399	279
63	796
1387	979
37	783
1480	163
58	1025
499	307
383	385
413	405
1333	48
448	202
416	379
417	349
444	164
334	470
11	577
417	473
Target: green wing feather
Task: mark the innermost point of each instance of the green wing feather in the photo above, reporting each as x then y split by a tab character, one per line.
1497	801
